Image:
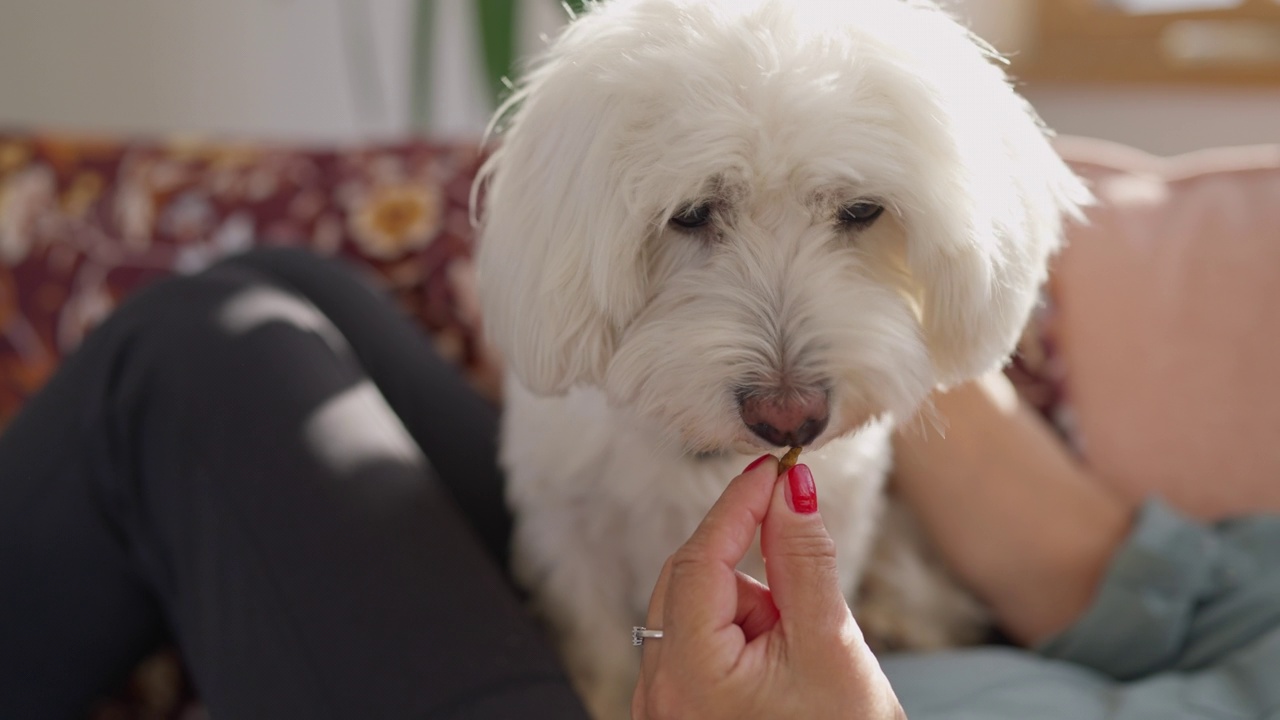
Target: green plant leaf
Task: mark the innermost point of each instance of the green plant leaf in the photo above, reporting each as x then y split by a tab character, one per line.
498	38
420	73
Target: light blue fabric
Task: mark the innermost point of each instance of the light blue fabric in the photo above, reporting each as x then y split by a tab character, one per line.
1186	625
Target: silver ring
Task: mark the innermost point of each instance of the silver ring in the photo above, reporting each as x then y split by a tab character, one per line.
639	634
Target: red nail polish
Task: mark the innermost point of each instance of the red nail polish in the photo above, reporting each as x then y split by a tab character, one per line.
756	463
804	494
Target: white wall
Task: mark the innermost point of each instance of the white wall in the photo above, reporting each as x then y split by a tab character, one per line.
1164	121
311	69
339	70
300	68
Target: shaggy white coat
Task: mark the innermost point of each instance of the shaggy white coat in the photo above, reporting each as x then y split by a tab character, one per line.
629	339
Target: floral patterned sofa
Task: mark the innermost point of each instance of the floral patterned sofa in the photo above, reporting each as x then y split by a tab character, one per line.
86	221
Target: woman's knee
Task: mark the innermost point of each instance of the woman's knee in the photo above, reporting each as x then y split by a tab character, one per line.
226	331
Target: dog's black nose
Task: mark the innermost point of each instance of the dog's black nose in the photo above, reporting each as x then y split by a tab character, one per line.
793	421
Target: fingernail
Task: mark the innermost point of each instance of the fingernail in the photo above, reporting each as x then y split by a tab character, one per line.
756	463
803	497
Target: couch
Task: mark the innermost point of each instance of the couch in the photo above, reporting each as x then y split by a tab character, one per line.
85	221
1153	348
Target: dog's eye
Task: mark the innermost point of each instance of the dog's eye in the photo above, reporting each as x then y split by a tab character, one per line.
860	214
692	217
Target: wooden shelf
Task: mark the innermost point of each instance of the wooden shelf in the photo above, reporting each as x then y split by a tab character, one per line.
1087	41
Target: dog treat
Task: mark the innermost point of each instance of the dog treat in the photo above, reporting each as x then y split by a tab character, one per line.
788	461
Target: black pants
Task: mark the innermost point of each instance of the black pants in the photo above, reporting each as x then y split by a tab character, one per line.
269	465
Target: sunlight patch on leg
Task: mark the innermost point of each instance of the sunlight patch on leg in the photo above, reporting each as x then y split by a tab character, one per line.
357	427
255	307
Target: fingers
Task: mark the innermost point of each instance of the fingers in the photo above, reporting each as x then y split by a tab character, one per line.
756	613
639	708
701	600
800	557
651	650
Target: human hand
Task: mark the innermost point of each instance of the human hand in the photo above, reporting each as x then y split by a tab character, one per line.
733	648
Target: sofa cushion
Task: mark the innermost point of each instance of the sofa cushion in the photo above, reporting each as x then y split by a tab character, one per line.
1165	323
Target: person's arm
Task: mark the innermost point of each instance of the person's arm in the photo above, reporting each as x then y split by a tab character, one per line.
1020	522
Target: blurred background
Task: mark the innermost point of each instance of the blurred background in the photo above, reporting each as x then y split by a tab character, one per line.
1166	76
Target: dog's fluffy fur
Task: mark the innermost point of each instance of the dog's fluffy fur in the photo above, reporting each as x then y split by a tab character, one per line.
631	340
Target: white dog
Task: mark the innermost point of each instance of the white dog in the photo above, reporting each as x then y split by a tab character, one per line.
714	228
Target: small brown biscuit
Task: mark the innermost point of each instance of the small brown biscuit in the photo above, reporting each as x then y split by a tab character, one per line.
788	461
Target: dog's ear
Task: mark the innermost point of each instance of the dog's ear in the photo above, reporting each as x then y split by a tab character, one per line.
980	254
984	217
559	250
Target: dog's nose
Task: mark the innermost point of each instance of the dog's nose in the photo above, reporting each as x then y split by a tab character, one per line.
793	421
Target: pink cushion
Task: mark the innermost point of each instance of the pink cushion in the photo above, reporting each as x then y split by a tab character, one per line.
1167	326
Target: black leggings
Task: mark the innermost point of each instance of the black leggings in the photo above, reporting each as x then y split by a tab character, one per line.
268	464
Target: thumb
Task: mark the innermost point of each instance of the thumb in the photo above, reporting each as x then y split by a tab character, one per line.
800	558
